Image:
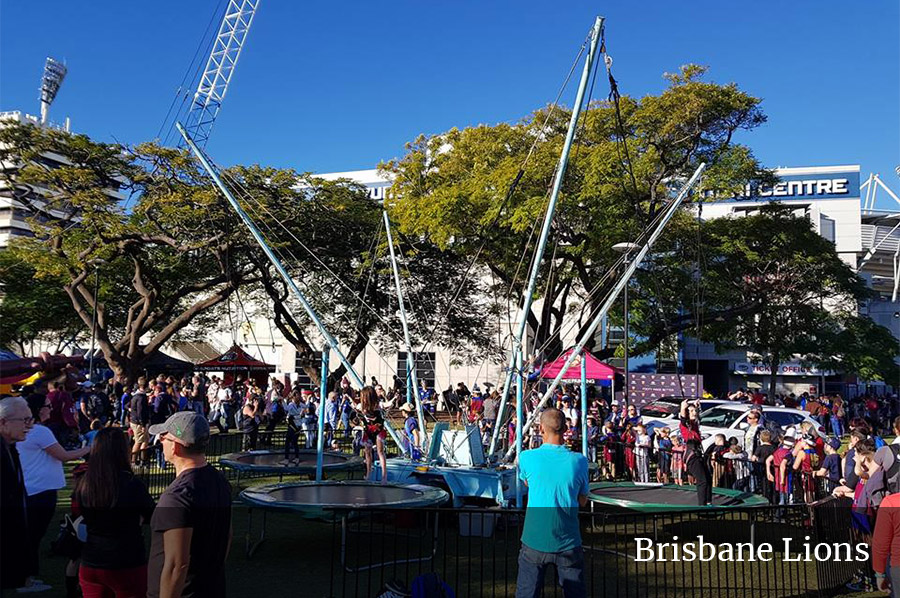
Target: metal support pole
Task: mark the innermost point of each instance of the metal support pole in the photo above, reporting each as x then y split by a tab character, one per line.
614	293
409	382
94	324
323	396
584	405
411	378
520	397
292	286
528	294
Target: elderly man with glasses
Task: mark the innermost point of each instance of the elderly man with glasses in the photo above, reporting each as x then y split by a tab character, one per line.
15	422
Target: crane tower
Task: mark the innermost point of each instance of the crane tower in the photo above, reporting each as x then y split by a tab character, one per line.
226	50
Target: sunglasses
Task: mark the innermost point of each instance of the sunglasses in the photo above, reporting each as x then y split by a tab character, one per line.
25	420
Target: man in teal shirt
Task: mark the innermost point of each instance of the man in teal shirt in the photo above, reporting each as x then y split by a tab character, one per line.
557	481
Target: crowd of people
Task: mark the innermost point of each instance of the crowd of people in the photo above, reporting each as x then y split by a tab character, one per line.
119	428
190	524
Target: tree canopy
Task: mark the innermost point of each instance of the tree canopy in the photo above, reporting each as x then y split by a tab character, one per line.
148	226
768	282
452	188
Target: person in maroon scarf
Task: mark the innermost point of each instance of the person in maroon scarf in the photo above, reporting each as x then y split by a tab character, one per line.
693	451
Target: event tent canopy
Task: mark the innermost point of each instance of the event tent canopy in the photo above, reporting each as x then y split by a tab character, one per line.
234	359
597	371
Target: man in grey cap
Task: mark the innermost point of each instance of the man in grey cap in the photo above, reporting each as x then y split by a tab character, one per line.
191	526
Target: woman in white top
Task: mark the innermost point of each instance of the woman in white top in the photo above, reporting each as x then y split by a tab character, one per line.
42	460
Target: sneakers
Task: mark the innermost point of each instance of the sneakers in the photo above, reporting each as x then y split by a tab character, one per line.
34	586
860	584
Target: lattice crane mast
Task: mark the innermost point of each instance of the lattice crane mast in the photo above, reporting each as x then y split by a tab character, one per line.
226	50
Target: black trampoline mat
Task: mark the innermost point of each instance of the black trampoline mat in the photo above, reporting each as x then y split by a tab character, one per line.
343	494
668	495
277	459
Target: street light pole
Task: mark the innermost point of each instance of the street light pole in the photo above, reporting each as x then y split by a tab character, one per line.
97	263
625	299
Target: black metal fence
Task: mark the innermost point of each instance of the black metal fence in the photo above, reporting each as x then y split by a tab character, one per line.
475	552
156	478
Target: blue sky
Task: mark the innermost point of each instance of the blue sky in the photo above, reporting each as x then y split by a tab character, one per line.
340	86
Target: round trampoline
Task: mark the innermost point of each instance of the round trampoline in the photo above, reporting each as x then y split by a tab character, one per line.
318	499
655	498
273	462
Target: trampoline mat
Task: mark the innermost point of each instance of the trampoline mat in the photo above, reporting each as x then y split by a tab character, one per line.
660	495
277	459
345	494
317	498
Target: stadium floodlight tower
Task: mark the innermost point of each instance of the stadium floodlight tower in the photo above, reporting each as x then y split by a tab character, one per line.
54	73
226	50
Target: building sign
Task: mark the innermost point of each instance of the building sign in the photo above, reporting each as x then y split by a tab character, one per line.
806	186
644	388
785	369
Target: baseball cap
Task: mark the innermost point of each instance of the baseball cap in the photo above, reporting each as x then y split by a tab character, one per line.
833	442
186	427
406	407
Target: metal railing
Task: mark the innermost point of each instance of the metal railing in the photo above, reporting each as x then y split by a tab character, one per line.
475	552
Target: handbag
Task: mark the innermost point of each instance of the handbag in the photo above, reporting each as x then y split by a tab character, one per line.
68	542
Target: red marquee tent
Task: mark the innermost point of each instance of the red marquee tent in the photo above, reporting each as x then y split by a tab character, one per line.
597	372
235	360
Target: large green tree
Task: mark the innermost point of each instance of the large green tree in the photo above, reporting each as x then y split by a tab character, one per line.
35	312
150	230
141	219
767	283
453	188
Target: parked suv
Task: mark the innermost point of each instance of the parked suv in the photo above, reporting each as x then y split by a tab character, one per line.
731	420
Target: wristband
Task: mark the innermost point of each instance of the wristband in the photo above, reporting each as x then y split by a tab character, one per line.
880	575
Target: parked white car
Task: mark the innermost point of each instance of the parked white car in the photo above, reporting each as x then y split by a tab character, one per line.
731	420
663	412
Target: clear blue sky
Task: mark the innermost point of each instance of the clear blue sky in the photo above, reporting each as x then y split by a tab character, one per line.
342	85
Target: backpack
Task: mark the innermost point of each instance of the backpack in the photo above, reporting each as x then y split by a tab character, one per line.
430	585
892	473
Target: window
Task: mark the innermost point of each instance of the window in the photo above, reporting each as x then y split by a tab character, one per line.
718	417
424	367
783	418
826	227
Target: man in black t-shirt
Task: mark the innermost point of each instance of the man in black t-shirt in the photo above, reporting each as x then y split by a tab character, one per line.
191	526
761	454
139	418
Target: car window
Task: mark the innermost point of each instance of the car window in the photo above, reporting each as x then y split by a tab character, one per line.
719	417
784	418
659	409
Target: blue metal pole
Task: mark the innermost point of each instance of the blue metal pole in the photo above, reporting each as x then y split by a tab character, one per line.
520	390
614	293
412	394
584	405
528	294
323	397
292	286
